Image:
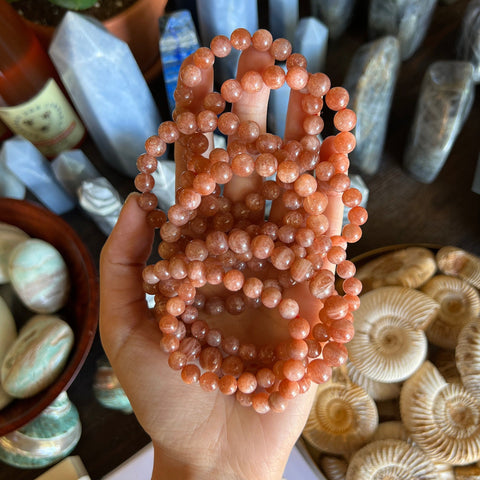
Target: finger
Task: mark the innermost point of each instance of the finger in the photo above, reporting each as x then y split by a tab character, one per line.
122	260
253	107
198	93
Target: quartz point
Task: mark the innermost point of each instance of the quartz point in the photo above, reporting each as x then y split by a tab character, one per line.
25	161
283	18
222	17
335	14
371	80
164	188
408	20
469	40
178	40
107	88
101	202
311	39
446	97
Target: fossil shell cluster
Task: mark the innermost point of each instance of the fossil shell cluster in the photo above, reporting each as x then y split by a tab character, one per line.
407	403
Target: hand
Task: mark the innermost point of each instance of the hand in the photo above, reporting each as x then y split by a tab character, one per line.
199	434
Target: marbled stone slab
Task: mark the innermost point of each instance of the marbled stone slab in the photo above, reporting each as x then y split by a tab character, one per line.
446	97
469	40
37	356
108	89
26	162
311	40
71	168
10	237
221	17
371	80
408	20
178	39
39	276
335	14
100	200
283	18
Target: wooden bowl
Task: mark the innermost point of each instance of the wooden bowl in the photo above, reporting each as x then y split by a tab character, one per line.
81	311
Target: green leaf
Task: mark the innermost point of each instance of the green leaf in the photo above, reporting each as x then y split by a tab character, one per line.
74	4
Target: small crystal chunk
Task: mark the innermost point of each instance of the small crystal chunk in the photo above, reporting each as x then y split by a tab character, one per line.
371	79
446	97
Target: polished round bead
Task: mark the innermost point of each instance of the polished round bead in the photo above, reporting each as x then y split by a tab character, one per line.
282	257
265	377
352	233
298	328
190	373
168	132
345	120
177	360
277	402
210	359
233	280
266	164
288	389
227	384
337	98
252	81
339	182
344	142
203	57
248	131
262	40
244	399
320	332
336	254
288	308
271	297
324	171
305	185
232	365
313	125
322	284
243	165
281	49
335	354
156	218
270	190
240	39
318	84
311	105
296	78
190	75
288	171
155	146
335	307
247	352
301	270
296	60
352	286
228	123
247	382
231	90
260	402
273	76
262	246
175	306
351	197
346	269
169	343
187	123
319	371
207	121
255	202
146	164
183	96
341	330
209	381
358	215
293	370
318	223
220	46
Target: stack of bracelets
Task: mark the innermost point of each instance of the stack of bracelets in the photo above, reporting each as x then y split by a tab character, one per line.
207	239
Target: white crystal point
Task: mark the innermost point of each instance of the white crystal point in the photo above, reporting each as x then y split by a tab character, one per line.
25	161
107	87
10	185
311	38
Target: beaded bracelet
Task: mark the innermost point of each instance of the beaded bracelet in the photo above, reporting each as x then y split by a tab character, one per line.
206	239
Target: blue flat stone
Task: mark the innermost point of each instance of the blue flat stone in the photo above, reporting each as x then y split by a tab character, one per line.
311	40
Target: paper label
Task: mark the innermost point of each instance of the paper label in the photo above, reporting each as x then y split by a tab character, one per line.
47	120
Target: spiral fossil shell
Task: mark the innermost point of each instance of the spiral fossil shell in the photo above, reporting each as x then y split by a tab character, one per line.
467	354
389	343
457	262
334	468
390	459
458	301
342	419
442	418
407	267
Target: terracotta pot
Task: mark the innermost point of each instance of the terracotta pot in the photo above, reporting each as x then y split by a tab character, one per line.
137	26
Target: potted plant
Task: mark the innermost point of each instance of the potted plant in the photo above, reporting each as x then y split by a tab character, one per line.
134	21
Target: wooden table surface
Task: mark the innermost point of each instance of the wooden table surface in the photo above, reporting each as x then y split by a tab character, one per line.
401	210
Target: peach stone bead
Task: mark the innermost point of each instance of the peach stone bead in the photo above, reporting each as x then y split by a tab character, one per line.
318	84
147	163
191	347
144	182
345	120
305	185
297	349
155	146
271	297
352	286
314	347
313	124
335	354
273	76
352	233
296	60
221	46
231	345
232	365
296	78
252	81
335	307
210	359
231	90
265	377
233	280
322	284
288	308
340	161
196	249
288	171
240	39
346	269
298	328
319	371
253	287
352	197
190	75
341	330
288	389
203	57
358	215
281	49
324	171
168	132
266	164
244	399
320	333
304	384
169	343
311	105
227	384
282	257
262	246
345	142
199	329
270	190
175	306
318	223
209	381
260	402
337	98
190	373
278	404
301	270
353	301
315	203
247	382
248	131
243	165
336	255
156	218
247	352
293	370
228	123
262	40
187	123
177	360
217	243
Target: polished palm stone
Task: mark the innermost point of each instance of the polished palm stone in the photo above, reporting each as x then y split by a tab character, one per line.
335	14
8	334
178	40
37	356
10	237
371	80
408	20
446	97
469	40
45	440
39	276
